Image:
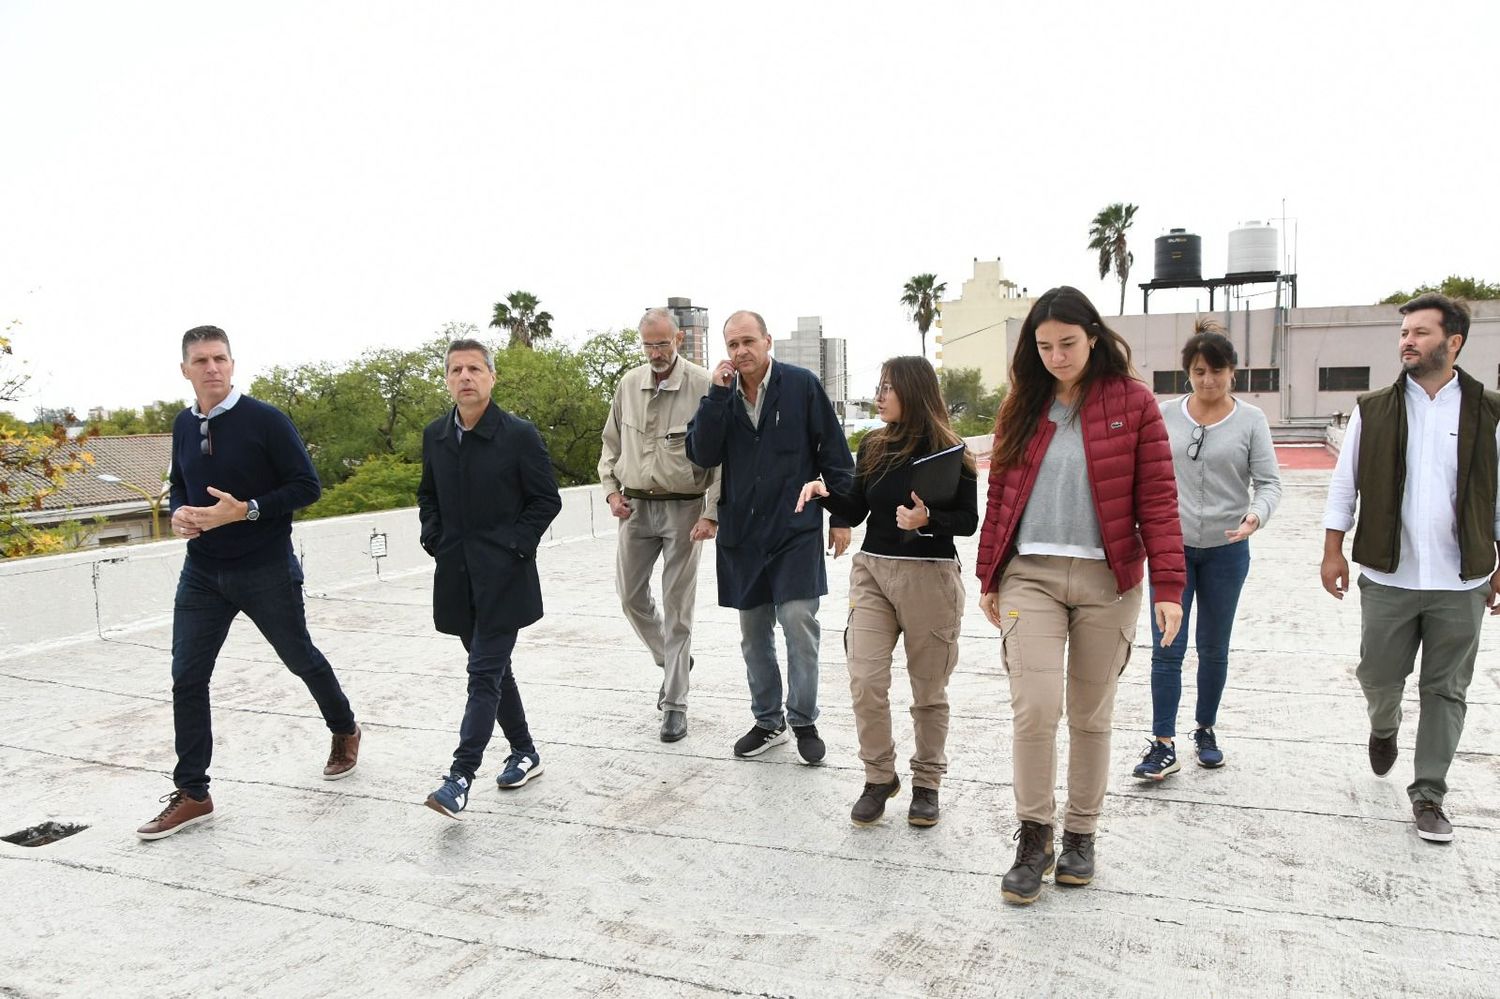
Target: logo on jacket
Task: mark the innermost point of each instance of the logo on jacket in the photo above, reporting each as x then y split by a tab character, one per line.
1116	424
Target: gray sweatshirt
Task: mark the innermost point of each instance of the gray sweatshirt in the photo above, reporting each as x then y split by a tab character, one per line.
1234	474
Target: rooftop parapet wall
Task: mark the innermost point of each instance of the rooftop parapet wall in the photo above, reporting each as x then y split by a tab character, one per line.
57	599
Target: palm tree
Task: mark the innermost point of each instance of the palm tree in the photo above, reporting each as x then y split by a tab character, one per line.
518	315
1107	235
922	297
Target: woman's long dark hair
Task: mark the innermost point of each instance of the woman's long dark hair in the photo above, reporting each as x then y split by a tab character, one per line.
924	419
1033	387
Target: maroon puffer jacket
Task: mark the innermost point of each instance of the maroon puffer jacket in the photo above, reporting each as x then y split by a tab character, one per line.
1133	485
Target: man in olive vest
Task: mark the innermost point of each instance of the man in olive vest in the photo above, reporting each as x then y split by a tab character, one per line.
1420	457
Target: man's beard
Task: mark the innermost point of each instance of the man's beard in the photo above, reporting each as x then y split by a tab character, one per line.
1431	364
662	367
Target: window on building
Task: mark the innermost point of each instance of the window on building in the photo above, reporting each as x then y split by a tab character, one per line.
1343	379
105	540
1169	382
1265	380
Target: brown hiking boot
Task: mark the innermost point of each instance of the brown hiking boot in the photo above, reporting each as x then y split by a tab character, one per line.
343	756
1034	861
181	811
871	804
1075	865
924	807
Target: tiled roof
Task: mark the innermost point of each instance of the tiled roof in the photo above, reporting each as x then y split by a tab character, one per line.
140	459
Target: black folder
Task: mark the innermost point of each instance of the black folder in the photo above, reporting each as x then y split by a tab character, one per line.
935	477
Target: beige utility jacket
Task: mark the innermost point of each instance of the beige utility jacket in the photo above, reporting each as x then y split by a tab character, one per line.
646	433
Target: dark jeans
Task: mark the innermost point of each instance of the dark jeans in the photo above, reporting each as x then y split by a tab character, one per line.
207	601
1215	577
493	697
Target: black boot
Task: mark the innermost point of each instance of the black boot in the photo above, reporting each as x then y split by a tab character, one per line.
1034	860
924	807
1075	866
871	804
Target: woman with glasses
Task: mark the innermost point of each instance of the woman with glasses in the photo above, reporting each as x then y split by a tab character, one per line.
905	583
1081	500
1227	488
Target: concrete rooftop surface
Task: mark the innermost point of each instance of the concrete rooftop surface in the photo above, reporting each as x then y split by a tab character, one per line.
636	868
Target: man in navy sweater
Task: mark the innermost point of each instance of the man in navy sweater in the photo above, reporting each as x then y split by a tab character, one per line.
239	470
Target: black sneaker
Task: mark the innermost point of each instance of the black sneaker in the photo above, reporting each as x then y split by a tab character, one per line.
809	746
1075	865
924	806
871	804
1382	753
758	740
1034	861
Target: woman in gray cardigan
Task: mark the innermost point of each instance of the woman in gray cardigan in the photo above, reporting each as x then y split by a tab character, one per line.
1227	488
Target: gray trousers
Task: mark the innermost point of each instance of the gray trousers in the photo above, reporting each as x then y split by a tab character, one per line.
661	529
1445	623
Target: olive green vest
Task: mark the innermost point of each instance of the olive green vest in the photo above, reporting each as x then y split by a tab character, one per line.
1381	481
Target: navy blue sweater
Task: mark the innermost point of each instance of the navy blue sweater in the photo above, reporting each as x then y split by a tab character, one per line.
257	455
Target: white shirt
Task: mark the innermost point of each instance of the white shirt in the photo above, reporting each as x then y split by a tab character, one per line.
223	407
754	408
1429	501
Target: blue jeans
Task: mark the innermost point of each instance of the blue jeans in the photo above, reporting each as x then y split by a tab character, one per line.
207	600
1215	577
493	697
799	625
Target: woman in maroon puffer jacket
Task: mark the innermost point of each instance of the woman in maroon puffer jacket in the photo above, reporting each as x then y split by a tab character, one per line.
1082	495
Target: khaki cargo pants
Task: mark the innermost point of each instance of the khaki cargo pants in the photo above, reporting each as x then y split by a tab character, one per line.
1051	607
921	602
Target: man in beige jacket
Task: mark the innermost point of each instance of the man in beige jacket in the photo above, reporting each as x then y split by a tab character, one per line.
666	505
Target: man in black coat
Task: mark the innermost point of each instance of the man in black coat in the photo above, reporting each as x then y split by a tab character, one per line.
771	428
487	496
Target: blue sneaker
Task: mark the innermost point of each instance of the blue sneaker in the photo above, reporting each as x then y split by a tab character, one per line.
1209	754
452	797
1158	763
519	768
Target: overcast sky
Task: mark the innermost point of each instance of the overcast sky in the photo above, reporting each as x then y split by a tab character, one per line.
318	178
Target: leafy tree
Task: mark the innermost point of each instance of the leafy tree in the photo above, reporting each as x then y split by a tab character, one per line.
153	418
971	408
1468	288
607	356
33	465
1107	235
375	405
922	297
518	316
382	482
553	389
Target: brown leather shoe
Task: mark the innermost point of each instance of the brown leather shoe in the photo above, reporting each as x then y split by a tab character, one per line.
181	812
343	757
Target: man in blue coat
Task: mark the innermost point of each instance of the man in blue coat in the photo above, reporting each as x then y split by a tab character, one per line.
486	498
771	427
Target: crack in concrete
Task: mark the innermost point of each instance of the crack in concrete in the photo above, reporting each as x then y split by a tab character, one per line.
913	867
413	930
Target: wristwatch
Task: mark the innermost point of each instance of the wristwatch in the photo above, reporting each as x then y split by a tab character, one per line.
254	512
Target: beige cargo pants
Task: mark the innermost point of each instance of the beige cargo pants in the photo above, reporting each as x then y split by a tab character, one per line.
1054	611
922	603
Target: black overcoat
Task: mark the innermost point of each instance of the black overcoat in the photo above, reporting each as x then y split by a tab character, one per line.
766	553
485	502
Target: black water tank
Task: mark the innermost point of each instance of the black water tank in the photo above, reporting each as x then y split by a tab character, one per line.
1179	256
